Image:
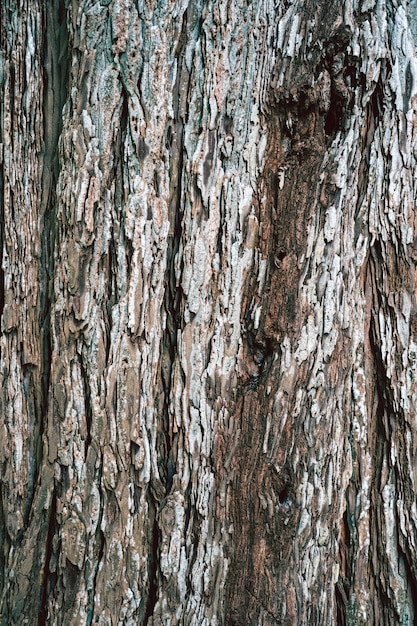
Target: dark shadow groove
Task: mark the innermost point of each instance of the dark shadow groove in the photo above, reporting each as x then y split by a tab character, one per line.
2	234
87	403
1	228
91	593
153	570
173	298
386	416
55	63
49	579
411	580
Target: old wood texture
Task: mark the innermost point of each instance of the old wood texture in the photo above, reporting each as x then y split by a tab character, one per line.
208	312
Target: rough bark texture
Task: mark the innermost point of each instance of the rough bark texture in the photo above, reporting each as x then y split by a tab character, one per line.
208	312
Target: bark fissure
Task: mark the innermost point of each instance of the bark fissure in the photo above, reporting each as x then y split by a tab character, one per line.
55	87
55	92
2	241
87	403
48	577
173	304
346	560
378	436
3	45
100	554
277	620
152	595
389	565
371	119
173	298
411	580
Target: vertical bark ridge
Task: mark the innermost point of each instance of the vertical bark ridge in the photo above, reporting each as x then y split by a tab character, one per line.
22	340
153	573
383	480
55	85
173	300
3	530
280	415
55	80
389	577
299	435
168	436
2	190
48	580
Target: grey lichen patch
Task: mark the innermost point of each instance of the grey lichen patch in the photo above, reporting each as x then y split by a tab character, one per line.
110	469
412	18
73	540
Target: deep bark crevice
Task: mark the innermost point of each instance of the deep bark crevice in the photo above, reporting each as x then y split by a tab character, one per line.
1	219
345	558
388	420
4	544
55	83
152	568
2	118
343	73
113	289
55	79
87	403
100	553
173	299
372	118
379	445
48	579
411	580
173	303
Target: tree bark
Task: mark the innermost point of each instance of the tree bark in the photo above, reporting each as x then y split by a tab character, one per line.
208	312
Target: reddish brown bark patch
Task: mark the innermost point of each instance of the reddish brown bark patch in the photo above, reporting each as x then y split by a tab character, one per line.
265	506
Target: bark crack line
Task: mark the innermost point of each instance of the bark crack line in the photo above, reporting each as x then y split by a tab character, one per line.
412	583
173	300
153	570
262	605
55	79
372	117
55	84
390	421
43	612
100	554
380	427
346	558
1	220
87	403
2	234
56	73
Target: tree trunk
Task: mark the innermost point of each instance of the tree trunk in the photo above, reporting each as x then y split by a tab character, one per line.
208	312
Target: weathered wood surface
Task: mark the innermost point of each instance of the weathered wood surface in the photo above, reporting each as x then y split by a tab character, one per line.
208	312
